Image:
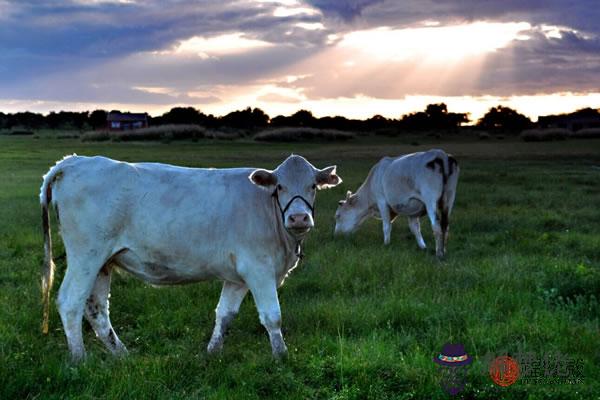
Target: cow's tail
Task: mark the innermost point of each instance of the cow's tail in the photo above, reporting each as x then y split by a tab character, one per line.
447	167
48	267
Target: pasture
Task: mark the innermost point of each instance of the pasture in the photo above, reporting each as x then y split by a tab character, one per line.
361	320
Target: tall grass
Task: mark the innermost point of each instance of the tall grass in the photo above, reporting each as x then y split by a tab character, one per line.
543	135
302	134
587	133
165	133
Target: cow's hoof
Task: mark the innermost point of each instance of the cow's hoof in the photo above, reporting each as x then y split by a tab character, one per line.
281	355
77	359
280	350
121	351
215	347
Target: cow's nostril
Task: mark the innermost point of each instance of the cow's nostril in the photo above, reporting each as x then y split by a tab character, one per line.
299	220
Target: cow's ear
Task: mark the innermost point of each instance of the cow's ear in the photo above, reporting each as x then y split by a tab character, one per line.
327	178
263	178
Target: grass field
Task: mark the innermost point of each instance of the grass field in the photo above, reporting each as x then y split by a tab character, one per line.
361	320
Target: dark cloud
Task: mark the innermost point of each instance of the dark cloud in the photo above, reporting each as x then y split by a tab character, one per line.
101	51
50	35
577	14
544	65
346	9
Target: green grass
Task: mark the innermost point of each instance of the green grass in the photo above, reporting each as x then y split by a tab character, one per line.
361	320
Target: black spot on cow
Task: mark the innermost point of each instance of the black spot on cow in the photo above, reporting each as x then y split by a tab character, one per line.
452	164
111	338
93	309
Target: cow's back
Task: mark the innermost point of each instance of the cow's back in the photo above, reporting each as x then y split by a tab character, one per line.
408	177
190	219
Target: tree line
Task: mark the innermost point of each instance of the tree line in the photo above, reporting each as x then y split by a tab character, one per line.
434	117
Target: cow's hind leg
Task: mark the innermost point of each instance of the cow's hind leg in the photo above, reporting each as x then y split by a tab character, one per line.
232	296
74	290
435	216
415	228
96	312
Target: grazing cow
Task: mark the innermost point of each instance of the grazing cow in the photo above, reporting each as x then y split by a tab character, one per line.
412	185
173	225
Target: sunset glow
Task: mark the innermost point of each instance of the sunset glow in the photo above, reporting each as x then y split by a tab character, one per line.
434	43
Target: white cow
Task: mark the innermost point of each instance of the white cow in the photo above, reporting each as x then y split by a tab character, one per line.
174	225
412	185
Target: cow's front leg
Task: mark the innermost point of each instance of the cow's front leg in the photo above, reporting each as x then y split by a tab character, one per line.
264	291
232	296
384	211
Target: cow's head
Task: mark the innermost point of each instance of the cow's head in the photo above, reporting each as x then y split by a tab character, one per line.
350	214
294	184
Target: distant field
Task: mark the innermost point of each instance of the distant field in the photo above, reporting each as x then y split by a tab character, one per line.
361	320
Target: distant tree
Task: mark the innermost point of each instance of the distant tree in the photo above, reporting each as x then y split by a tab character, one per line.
97	119
278	121
456	120
53	120
337	122
245	119
435	117
504	119
70	119
586	112
259	118
299	118
181	115
27	120
302	118
416	121
376	122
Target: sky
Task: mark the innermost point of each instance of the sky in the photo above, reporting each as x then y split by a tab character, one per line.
355	58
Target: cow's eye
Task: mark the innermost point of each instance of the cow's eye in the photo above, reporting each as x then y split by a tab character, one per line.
279	187
314	186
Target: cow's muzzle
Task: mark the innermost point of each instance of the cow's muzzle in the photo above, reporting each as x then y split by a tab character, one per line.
298	223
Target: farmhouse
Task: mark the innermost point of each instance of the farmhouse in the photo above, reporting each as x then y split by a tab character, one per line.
117	121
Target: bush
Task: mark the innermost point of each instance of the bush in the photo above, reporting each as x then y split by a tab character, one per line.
95	136
164	133
20	132
484	136
301	134
68	136
588	133
544	135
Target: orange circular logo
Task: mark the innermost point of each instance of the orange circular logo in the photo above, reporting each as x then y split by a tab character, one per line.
504	371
